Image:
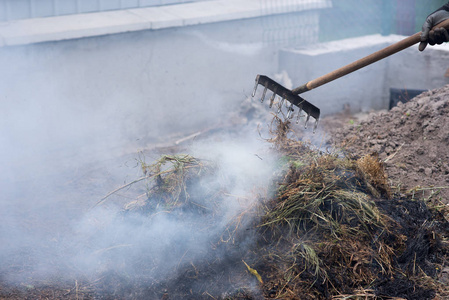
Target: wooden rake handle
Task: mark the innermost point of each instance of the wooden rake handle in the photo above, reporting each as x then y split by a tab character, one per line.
367	60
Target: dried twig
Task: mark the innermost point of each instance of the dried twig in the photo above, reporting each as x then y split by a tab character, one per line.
119	189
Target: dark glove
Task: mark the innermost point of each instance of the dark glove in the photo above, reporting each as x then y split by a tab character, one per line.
439	35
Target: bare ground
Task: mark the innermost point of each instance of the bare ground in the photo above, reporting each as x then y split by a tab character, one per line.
412	139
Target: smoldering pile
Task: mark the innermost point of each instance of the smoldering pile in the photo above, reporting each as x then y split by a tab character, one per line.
337	230
327	226
332	229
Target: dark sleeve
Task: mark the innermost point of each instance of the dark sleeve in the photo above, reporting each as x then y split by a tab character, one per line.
444	7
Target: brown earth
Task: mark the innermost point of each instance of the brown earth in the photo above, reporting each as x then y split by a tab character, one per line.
412	139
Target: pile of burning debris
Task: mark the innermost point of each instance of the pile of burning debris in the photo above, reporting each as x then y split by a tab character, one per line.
336	230
333	229
328	227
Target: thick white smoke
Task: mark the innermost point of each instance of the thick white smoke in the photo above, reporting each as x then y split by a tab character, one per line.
74	115
53	234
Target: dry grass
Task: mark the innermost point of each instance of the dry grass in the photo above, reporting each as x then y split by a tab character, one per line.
326	237
168	178
373	171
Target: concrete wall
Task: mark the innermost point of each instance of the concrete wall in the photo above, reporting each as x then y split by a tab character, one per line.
412	69
367	88
23	9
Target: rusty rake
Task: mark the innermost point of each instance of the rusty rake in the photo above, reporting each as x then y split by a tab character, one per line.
310	109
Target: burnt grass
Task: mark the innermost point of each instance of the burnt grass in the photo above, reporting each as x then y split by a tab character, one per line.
423	249
334	229
398	253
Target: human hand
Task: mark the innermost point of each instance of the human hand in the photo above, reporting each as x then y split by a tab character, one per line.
437	36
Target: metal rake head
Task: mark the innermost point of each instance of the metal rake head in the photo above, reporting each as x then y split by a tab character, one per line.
286	94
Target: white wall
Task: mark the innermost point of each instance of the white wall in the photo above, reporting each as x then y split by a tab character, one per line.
23	9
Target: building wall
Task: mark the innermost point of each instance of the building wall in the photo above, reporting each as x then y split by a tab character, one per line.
352	18
24	9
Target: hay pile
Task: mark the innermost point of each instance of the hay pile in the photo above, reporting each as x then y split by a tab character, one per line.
336	230
168	180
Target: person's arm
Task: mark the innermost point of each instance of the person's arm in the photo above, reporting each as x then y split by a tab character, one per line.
437	36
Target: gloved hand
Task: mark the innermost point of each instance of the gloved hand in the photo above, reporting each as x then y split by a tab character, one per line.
439	35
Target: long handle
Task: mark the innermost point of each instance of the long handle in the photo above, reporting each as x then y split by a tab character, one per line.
363	62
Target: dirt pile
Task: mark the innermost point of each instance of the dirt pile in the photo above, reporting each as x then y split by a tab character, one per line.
412	139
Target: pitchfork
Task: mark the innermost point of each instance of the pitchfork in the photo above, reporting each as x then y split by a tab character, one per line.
310	109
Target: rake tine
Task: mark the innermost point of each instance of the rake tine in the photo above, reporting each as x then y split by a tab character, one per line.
264	93
315	126
255	88
290	111
307	121
298	117
272	99
280	104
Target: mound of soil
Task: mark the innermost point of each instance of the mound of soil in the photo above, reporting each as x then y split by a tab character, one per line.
412	139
